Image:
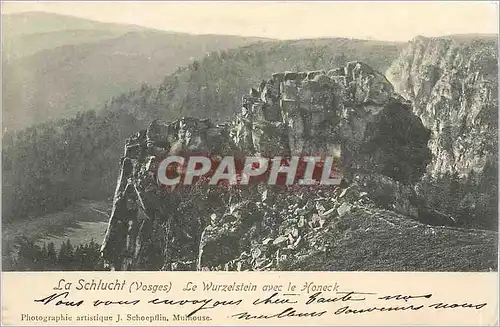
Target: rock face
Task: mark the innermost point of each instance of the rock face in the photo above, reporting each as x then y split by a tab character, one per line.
350	111
452	83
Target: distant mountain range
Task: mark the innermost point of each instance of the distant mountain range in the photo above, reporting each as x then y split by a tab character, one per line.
55	66
29	32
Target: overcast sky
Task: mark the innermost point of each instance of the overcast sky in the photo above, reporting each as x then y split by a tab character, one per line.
383	20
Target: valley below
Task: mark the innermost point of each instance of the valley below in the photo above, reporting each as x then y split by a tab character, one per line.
80	223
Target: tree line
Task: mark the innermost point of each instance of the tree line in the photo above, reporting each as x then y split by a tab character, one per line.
30	256
471	200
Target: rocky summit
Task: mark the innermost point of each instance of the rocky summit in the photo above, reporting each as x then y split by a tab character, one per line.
353	111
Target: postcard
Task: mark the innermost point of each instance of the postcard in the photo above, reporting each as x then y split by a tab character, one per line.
250	163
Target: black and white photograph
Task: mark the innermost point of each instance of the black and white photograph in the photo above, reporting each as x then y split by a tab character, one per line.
257	136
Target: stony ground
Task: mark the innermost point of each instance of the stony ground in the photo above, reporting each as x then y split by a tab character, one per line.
375	239
341	231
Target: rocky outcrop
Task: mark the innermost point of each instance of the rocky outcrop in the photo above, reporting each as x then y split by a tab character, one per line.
350	111
452	82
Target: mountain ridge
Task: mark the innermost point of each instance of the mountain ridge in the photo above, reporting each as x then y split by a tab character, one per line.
56	22
75	69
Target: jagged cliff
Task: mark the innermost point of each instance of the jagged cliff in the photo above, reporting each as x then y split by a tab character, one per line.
452	82
352	111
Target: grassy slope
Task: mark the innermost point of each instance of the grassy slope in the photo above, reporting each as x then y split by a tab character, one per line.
376	239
